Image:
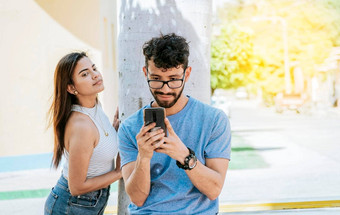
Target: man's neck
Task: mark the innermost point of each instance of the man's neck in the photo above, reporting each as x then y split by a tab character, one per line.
180	104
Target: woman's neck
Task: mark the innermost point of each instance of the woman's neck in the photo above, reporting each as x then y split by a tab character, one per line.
88	102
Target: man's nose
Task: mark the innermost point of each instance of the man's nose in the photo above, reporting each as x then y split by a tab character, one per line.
165	87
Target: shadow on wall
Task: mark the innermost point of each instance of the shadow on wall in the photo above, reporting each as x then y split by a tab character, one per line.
80	18
140	21
165	18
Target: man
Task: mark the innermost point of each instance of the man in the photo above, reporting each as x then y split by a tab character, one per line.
182	172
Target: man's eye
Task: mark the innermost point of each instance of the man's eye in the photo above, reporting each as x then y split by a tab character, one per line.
154	78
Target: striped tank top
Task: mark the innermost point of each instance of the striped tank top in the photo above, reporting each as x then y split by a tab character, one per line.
103	157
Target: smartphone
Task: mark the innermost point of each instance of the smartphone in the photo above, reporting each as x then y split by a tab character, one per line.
156	115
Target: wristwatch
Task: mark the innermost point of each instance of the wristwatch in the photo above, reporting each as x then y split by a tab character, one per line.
187	165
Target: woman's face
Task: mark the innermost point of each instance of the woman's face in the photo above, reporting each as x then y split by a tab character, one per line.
87	80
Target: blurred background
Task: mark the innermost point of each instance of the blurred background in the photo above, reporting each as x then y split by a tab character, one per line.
275	71
284	53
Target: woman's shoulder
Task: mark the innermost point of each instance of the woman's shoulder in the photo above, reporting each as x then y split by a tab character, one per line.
79	123
80	134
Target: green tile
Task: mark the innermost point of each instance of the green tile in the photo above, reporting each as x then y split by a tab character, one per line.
243	156
39	193
24	194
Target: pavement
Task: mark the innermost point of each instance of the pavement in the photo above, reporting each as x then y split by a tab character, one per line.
276	158
296	159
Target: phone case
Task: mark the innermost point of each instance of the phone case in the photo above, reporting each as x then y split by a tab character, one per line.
155	115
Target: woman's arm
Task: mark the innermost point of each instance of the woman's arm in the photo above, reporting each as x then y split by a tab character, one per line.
81	136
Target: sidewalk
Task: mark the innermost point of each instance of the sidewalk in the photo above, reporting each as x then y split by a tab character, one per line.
293	159
25	192
263	184
274	160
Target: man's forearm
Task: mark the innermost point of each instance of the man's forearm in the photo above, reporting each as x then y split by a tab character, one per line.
207	180
138	184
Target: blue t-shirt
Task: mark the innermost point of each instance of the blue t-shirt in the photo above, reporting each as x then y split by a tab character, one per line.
204	129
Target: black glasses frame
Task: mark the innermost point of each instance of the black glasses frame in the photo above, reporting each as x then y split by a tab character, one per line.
165	82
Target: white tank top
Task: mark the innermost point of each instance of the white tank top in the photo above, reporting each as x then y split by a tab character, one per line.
103	157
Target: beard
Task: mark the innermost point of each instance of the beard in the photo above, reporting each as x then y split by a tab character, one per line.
167	104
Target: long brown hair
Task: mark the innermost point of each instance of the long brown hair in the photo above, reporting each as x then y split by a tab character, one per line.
60	109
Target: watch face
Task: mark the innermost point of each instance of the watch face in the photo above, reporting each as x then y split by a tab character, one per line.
192	162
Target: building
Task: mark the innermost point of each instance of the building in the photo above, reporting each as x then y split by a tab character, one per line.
35	34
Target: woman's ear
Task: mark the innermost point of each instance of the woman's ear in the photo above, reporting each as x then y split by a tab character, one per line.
71	89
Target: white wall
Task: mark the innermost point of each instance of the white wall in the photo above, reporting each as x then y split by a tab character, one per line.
32	40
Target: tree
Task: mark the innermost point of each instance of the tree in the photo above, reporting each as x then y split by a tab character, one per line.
313	28
232	58
140	21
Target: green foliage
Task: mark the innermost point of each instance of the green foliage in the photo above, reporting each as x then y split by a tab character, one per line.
250	52
232	58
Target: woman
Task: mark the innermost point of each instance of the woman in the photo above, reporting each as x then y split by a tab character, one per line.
84	135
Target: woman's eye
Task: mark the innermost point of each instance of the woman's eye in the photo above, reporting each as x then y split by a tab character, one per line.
84	74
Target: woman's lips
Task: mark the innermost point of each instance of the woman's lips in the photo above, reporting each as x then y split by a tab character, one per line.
98	82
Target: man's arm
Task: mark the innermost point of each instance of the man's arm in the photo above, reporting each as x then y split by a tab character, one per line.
209	178
136	174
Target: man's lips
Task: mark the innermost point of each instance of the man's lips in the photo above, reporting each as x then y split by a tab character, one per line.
165	97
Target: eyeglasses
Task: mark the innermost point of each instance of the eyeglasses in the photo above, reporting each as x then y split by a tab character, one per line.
172	84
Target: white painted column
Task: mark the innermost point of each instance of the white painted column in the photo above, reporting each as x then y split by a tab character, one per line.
139	21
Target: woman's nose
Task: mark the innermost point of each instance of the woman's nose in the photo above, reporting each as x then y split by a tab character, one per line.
95	74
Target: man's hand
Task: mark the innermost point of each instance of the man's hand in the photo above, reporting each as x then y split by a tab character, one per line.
173	146
148	141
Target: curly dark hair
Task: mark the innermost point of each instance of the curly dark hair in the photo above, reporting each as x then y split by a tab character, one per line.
167	51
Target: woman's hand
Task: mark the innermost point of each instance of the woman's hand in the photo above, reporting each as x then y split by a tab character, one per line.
118	169
116	120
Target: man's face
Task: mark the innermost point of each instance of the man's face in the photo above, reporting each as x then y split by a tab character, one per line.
165	96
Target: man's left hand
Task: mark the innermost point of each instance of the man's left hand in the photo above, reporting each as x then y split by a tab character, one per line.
173	146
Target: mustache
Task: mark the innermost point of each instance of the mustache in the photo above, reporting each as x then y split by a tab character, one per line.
165	94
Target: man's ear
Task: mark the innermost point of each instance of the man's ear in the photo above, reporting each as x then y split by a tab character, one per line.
145	71
71	89
187	73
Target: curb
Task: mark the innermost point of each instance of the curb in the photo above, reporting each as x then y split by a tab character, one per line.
262	206
279	206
